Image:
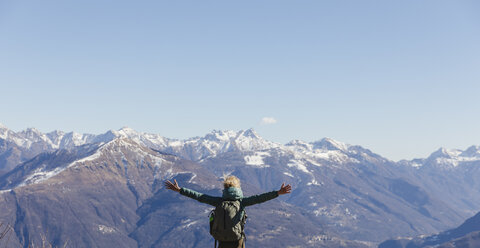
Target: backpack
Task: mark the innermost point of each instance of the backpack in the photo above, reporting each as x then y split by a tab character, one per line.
227	222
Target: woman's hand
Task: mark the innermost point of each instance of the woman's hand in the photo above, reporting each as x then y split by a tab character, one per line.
170	185
285	189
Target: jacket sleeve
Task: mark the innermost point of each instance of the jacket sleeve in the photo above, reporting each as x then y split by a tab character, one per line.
256	199
203	198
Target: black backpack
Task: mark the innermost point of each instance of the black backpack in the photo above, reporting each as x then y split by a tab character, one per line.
227	221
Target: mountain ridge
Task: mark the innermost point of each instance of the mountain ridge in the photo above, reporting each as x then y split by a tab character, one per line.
59	140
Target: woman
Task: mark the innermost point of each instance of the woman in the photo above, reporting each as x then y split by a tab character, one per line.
232	192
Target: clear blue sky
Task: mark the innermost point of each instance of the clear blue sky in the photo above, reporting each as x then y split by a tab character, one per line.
401	78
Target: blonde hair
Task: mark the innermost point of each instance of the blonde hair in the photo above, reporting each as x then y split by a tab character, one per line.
231	181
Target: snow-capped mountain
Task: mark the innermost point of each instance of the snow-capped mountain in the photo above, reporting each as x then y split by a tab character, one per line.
54	140
194	148
17	147
346	190
217	142
447	158
111	195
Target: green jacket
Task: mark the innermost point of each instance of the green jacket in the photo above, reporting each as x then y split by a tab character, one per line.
229	194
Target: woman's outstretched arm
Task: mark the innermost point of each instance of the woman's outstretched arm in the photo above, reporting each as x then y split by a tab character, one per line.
256	199
211	200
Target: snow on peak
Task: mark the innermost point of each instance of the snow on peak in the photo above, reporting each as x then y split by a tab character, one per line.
32	135
300	144
4	131
219	135
29	131
228	135
250	133
56	133
151	140
249	140
323	150
118	148
445	153
243	139
11	136
124	132
127	131
449	158
117	143
32	130
73	139
330	144
218	142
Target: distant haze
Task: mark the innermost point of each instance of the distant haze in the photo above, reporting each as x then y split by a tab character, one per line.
400	78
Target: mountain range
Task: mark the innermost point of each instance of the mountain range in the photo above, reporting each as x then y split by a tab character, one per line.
106	190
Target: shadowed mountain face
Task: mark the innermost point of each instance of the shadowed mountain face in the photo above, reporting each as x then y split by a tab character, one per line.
466	235
109	187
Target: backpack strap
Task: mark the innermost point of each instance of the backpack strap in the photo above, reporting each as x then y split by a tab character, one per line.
244	239
244	221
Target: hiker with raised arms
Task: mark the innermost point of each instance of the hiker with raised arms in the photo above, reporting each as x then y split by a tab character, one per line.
228	219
